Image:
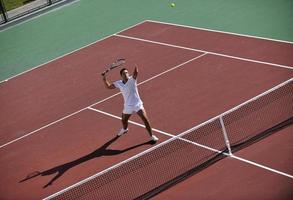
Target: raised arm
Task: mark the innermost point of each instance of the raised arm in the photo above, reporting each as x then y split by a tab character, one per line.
107	83
135	72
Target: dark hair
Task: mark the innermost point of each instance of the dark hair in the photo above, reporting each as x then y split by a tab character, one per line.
122	71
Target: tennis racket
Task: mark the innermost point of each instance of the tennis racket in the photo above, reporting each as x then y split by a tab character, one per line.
119	62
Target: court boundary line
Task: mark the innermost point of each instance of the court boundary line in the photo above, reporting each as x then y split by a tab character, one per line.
203	51
218	31
101	101
71	52
173	137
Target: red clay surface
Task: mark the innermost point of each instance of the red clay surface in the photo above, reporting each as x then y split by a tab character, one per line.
175	101
200	90
73	148
244	47
73	82
232	179
277	147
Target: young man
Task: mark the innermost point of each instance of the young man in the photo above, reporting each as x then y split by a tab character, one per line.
132	101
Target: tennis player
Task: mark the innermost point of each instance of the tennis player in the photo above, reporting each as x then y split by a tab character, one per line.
132	101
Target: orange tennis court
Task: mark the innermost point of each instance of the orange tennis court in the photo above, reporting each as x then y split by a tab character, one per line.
199	86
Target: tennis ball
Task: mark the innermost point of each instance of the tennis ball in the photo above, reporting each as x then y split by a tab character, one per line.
172	5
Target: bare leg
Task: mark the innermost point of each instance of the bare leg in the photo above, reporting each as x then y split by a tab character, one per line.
125	118
142	114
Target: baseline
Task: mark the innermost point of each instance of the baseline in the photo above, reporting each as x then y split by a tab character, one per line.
254	49
204	51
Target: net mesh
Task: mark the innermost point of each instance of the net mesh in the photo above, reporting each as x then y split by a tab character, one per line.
209	135
181	156
260	115
144	174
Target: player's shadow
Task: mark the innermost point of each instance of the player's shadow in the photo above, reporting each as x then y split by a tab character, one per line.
61	169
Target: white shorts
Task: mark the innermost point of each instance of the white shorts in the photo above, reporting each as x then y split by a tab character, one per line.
132	109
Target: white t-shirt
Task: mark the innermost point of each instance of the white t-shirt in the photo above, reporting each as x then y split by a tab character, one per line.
129	92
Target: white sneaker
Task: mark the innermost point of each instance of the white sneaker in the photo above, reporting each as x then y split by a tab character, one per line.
122	131
154	138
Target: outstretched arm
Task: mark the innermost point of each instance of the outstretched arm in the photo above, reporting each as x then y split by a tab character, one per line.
107	83
135	72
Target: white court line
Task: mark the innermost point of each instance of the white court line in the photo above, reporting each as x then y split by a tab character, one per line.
197	144
173	137
203	51
127	160
43	127
162	132
217	31
101	101
43	64
173	24
262	166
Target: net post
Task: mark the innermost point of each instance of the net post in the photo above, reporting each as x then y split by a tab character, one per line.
225	135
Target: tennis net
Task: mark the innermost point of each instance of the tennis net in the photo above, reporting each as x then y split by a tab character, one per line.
171	161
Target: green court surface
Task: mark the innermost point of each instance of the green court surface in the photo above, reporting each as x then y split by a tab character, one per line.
68	28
